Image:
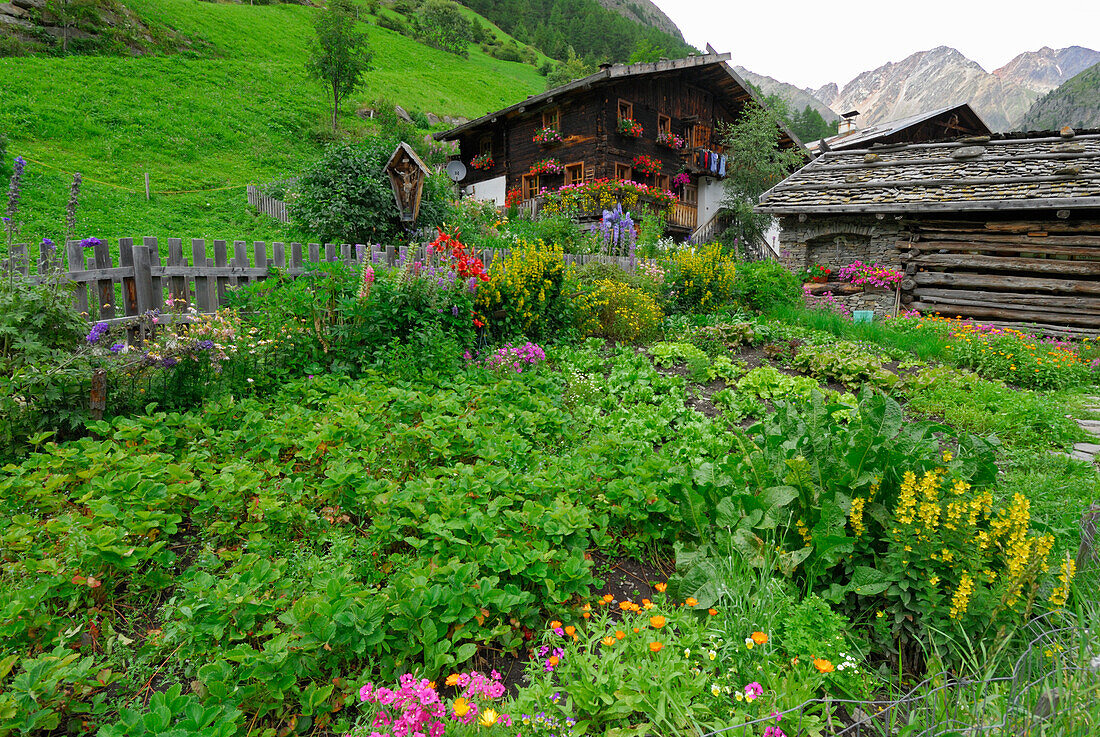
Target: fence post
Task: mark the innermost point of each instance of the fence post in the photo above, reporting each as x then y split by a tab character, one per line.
75	254
97	400
279	252
296	258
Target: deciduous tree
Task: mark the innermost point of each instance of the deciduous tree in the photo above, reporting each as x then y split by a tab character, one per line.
340	55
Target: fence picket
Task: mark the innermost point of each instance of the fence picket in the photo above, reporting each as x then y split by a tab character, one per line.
104	288
156	283
129	287
221	258
204	294
279	252
296	258
314	253
259	252
178	292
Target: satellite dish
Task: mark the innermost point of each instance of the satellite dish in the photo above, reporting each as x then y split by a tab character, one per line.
456	170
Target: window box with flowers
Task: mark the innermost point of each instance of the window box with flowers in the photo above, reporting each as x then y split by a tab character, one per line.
647	165
482	161
546	166
630	128
670	140
871	277
548	136
818	274
681	179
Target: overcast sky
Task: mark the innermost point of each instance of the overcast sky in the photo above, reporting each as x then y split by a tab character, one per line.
811	43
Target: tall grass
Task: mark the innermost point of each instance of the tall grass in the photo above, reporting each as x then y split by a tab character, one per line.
924	345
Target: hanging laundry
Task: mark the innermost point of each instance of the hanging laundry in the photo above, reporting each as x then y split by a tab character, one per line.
722	166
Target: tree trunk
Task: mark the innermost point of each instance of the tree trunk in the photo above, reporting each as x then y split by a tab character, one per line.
335	105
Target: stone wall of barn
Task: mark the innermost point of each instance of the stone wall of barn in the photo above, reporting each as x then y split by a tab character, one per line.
836	241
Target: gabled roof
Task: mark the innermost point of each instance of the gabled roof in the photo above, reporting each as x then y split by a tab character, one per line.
1010	172
967	123
713	66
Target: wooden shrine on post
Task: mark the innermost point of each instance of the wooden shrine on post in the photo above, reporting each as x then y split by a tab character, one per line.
407	174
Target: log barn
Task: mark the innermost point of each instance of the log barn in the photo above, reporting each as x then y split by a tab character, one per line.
1004	229
602	126
954	121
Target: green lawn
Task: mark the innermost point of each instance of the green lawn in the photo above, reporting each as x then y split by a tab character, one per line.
240	111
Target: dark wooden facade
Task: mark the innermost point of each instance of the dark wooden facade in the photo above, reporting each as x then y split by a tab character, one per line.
690	98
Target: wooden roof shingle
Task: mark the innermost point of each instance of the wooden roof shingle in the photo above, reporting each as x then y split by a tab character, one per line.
971	174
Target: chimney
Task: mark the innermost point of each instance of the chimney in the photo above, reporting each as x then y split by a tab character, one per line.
848	122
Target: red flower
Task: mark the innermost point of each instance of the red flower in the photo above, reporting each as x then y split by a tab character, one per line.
478	323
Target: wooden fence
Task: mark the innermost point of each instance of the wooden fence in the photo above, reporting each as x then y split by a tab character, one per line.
155	276
267	205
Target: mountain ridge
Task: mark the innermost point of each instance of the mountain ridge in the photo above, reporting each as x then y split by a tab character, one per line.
943	76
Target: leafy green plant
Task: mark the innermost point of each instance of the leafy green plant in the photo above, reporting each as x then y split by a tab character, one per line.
847	363
171	713
764	285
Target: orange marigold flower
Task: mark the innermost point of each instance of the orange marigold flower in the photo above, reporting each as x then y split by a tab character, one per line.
660	587
647	603
690	601
655	646
823	665
620	634
461	707
452	680
570	630
624	605
608	598
712	612
553	660
555	624
586	615
636	630
759	638
609	640
657	621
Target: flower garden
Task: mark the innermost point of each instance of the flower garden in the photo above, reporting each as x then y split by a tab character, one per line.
520	498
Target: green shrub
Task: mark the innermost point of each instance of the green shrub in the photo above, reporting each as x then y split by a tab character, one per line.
762	285
441	24
346	197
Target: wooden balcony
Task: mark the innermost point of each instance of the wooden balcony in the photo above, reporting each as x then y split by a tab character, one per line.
683	215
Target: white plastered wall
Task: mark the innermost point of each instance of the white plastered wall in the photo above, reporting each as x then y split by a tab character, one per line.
491	189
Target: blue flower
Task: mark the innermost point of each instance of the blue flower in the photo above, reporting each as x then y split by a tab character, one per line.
98	331
117	347
91	242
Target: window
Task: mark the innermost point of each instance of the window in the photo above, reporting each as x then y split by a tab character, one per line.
552	119
626	110
574	173
690	194
700	136
662	181
622	171
486	146
531	186
664	125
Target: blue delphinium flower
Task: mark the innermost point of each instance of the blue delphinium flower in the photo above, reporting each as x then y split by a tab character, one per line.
91	242
117	347
98	331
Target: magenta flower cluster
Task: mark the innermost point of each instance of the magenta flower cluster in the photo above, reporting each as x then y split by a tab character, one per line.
511	357
825	301
476	686
774	730
412	709
872	275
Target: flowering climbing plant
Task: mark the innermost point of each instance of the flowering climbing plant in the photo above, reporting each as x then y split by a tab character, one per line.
482	161
546	166
630	128
646	164
546	136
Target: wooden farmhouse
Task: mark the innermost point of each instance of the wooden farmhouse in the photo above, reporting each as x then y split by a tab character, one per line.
1002	229
615	124
935	125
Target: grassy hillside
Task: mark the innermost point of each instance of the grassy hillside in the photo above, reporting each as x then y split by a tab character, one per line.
243	113
1075	103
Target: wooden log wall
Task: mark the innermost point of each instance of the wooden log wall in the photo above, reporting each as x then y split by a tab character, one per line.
1041	275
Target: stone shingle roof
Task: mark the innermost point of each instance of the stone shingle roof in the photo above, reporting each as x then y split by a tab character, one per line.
970	174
